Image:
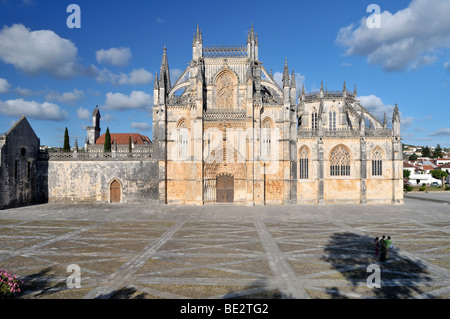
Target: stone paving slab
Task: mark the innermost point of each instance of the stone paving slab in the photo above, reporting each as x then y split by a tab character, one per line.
227	251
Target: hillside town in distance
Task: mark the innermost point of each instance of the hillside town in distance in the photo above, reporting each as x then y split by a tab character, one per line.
426	168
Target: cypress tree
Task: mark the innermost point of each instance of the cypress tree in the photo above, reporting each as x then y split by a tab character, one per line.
130	147
107	145
66	147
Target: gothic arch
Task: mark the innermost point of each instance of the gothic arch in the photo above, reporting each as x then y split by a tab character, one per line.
182	123
225	90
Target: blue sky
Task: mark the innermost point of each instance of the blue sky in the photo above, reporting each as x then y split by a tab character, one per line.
56	75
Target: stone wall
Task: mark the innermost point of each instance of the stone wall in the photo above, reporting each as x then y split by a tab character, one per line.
72	180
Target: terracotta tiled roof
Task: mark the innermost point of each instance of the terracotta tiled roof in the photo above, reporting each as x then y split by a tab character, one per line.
406	164
122	138
446	165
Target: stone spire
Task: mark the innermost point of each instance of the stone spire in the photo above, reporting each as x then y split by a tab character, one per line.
293	82
344	89
286	74
164	80
384	120
156	83
198	35
355	90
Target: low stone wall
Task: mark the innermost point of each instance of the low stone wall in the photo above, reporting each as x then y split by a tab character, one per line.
72	180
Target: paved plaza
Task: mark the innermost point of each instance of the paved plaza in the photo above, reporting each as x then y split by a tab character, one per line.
228	251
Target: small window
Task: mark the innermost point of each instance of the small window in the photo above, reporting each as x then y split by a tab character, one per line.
314	121
16	169
332	120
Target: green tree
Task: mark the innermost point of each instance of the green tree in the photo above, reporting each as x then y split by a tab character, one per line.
439	174
412	157
406	173
66	147
107	145
130	147
438	152
426	151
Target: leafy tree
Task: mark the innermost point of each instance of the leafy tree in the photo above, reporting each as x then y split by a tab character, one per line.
130	147
66	147
107	145
406	173
426	151
412	157
438	152
439	174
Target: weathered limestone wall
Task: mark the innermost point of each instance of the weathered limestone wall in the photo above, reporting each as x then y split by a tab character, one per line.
19	149
89	181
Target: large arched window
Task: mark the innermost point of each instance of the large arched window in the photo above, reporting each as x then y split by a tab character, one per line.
266	139
303	162
377	162
183	139
340	161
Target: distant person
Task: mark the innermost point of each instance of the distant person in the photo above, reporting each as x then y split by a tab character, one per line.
382	249
377	247
389	245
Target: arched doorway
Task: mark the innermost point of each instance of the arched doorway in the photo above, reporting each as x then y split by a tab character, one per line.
114	189
225	189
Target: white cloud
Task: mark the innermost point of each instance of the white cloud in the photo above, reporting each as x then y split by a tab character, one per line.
24	91
39	51
114	56
119	101
410	37
299	79
68	97
4	86
83	114
441	132
377	108
135	77
141	126
447	65
32	109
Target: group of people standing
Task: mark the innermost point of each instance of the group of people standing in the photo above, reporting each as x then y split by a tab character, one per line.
382	247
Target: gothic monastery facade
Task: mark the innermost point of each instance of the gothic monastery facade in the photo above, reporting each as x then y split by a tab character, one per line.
225	131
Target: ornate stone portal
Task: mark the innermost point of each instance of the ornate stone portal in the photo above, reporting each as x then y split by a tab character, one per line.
226	131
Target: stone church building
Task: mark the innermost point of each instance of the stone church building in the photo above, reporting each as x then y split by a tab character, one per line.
224	132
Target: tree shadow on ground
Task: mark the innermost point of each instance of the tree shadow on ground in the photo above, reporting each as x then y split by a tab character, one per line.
257	290
123	293
351	254
40	284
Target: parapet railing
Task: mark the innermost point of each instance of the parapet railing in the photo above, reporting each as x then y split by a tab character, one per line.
342	132
220	51
220	114
121	156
